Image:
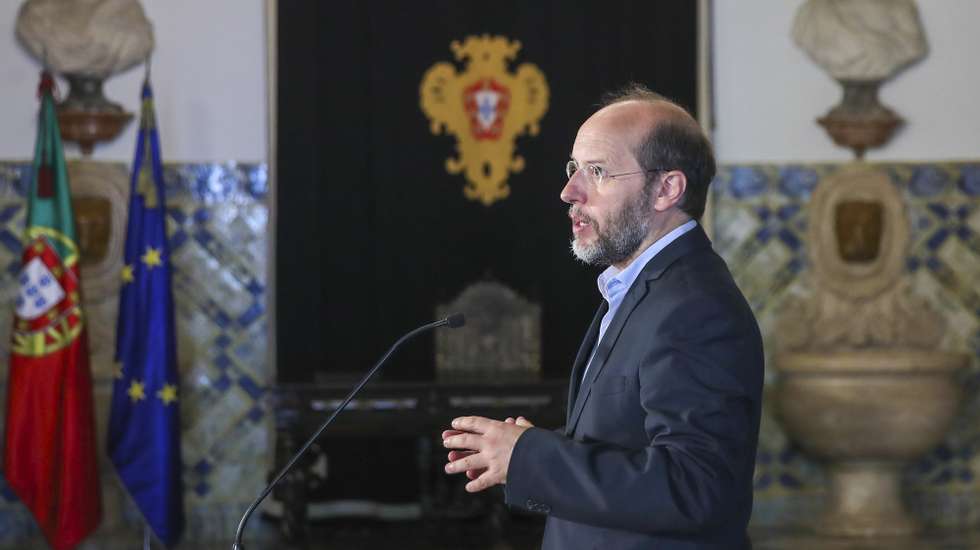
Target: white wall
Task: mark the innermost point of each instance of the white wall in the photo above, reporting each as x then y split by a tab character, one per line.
768	92
208	80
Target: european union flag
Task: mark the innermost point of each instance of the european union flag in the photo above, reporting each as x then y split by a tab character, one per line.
144	425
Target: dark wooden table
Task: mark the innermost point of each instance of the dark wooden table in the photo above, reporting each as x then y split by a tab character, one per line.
415	410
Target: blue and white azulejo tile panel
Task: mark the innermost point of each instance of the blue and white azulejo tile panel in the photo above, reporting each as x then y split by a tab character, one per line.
218	224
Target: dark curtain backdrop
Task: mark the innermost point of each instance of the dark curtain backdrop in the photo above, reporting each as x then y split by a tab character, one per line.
372	233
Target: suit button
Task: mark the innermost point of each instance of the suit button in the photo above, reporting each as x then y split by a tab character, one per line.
535	506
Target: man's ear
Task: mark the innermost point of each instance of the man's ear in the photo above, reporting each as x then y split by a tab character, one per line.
671	192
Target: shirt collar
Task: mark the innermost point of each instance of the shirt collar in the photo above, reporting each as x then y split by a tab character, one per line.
613	282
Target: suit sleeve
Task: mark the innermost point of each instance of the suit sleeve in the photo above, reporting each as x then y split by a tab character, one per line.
698	418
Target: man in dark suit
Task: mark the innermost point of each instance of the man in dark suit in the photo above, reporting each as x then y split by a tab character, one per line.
665	394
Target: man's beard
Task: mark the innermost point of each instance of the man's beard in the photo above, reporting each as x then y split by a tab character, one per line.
621	239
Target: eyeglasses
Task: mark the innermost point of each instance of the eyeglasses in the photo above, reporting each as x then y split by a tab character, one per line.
595	175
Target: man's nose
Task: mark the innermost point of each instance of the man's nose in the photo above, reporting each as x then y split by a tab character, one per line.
574	192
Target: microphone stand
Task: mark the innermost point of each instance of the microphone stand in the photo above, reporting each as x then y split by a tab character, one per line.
453	321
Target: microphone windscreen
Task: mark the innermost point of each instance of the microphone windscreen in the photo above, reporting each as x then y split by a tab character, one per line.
455	320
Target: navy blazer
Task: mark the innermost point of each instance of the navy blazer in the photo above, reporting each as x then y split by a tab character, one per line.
658	451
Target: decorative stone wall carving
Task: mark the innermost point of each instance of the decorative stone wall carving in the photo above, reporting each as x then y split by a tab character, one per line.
853	391
761	219
862	302
104	190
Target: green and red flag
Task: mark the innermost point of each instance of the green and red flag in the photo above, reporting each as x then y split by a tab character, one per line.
50	451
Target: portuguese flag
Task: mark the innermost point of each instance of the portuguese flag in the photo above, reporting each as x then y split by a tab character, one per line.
49	456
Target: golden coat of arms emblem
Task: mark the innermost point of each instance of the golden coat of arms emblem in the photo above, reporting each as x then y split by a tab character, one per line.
486	108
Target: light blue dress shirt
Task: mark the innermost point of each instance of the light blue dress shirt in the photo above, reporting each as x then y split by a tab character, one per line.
614	283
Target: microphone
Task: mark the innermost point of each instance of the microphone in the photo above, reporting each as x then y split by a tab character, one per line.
455	320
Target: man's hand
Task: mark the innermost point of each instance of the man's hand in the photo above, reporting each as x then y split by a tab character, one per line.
482	449
456	455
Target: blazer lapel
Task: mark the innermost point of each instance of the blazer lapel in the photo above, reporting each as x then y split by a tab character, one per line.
633	297
694	239
582	358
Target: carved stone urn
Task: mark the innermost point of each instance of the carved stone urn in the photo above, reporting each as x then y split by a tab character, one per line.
862	386
861	44
86	41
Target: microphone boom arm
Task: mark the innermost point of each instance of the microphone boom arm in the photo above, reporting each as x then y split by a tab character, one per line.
453	321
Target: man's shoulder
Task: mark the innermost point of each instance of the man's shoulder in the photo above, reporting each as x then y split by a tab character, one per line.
700	269
699	280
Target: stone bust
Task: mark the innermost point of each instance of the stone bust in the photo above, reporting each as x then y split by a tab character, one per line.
860	40
92	38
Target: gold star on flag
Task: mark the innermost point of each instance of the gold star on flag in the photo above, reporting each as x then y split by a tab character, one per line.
152	257
117	370
135	391
127	274
168	394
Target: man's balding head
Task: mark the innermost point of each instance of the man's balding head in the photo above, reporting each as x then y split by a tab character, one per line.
665	136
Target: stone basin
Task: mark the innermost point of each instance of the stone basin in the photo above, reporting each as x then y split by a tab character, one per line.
866	415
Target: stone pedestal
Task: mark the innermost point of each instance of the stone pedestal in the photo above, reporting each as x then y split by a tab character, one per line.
866	499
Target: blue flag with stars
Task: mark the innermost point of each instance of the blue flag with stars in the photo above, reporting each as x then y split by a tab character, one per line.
144	423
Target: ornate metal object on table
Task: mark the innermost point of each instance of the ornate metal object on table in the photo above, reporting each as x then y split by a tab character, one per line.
86	41
500	342
860	43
